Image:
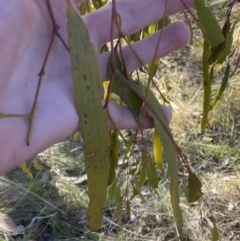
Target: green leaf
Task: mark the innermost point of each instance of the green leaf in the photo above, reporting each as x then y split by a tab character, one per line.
164	22
84	8
157	150
223	85
114	152
193	191
112	189
129	97
210	28
142	177
153	68
135	37
112	174
93	118
154	110
206	86
152	175
143	173
132	171
220	52
117	194
98	3
128	208
215	233
114	147
26	170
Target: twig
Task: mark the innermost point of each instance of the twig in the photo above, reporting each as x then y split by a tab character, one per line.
42	72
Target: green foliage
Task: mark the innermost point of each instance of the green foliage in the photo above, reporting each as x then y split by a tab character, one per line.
86	82
193	188
210	28
216	49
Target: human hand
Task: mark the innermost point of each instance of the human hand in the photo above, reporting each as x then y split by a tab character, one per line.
25	32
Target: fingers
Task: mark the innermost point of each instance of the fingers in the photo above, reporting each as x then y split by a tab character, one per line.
172	38
135	14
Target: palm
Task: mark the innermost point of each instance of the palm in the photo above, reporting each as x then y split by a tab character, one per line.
25	34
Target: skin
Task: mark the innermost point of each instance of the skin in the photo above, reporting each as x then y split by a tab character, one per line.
25	32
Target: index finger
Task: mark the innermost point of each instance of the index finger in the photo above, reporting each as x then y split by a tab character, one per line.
135	14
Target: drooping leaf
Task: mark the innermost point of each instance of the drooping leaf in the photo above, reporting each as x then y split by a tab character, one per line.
154	110
157	114
118	212
142	177
114	148
114	152
112	189
215	233
128	96
88	94
210	28
26	170
206	86
223	85
40	166
77	135
153	68
112	174
220	52
193	191
105	85
152	175
151	29
117	194
157	150
128	208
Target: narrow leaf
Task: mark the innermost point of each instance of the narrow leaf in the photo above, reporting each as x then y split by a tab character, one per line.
170	155
152	175
142	177
93	119
154	110
157	150
223	85
114	147
112	189
153	68
210	28
206	86
215	233
220	52
114	152
194	187
128	208
37	165
129	97
26	170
